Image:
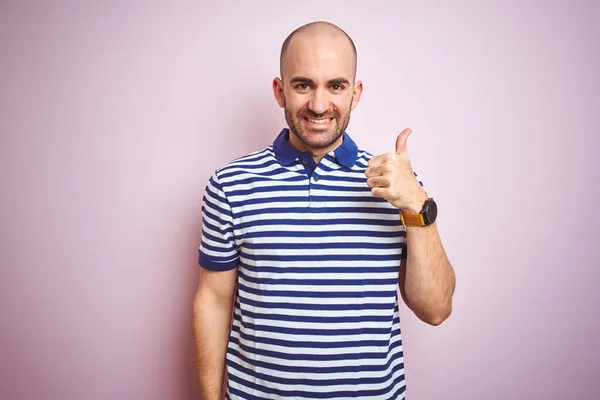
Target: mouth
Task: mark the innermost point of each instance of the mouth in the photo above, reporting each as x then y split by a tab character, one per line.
318	121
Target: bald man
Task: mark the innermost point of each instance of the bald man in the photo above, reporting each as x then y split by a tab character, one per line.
306	244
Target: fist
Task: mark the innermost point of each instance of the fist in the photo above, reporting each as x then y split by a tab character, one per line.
390	176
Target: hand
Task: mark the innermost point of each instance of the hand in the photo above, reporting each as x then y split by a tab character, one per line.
390	176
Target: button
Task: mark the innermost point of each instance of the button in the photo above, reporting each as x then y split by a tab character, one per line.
315	177
304	160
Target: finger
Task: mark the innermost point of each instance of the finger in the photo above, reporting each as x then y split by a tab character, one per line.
378	181
371	172
401	141
378	160
378	192
378	170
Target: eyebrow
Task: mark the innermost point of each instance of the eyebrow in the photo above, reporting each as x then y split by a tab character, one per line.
339	81
335	81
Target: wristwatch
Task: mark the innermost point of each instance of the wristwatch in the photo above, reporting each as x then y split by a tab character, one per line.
426	217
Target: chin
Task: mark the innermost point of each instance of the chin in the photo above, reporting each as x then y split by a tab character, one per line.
327	139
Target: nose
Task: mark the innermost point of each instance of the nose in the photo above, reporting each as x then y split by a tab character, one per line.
319	102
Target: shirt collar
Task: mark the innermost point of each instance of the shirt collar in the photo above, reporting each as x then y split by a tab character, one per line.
346	153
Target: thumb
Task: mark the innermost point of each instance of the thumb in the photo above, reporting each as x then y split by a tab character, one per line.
401	141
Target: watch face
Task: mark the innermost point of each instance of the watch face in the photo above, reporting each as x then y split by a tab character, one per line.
431	211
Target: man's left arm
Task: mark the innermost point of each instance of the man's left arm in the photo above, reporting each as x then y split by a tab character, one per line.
427	279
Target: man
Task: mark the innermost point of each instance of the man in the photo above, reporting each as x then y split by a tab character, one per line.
306	243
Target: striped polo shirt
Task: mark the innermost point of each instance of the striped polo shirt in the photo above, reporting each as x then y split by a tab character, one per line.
316	303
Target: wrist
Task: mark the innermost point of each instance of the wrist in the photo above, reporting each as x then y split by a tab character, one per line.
416	204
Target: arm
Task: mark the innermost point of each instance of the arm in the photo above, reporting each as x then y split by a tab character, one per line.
213	307
427	278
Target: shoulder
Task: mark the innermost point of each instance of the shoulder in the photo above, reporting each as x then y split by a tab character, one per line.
247	162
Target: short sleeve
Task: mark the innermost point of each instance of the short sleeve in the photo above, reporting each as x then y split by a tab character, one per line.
217	249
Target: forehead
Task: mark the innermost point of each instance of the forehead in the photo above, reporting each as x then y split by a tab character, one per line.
319	58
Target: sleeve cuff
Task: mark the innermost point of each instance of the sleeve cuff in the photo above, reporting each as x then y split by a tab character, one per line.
206	262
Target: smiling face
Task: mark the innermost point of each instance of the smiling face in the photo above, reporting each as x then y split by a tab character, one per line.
317	90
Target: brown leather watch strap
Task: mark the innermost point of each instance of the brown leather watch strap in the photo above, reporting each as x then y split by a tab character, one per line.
411	220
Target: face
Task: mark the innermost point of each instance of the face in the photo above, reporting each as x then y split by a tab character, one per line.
317	91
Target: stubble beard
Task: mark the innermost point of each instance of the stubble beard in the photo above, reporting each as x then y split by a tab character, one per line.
294	124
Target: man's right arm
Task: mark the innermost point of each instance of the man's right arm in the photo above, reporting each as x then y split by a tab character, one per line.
213	307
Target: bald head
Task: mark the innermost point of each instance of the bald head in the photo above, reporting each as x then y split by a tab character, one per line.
316	31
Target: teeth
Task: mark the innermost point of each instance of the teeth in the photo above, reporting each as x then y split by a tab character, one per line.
319	121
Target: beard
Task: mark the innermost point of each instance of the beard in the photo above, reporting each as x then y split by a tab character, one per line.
321	140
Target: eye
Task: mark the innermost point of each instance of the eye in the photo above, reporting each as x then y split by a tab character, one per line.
337	88
302	86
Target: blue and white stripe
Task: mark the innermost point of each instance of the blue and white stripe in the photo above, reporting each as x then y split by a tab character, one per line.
316	308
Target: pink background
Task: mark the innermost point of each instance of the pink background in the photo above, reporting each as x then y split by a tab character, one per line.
113	115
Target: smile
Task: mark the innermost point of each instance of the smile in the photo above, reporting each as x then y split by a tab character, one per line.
319	121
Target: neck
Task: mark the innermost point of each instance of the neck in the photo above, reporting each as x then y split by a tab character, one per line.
317	153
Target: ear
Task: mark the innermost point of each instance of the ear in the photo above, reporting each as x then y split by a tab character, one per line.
278	92
357	92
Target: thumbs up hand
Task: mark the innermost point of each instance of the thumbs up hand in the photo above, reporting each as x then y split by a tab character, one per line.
390	176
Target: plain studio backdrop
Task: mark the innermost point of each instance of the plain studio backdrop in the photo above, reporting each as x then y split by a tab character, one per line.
113	115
